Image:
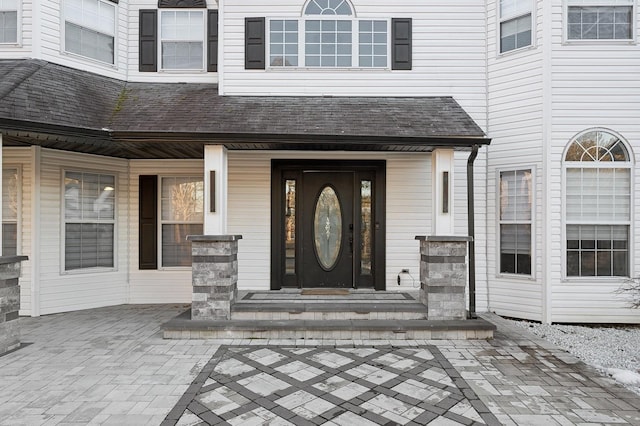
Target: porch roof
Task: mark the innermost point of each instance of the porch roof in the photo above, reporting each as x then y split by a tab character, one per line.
54	106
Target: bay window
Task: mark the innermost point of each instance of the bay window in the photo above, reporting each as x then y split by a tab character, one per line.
598	205
90	28
89	220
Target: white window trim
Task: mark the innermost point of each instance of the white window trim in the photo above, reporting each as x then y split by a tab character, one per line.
63	221
565	22
63	50
18	42
204	42
18	222
355	43
500	19
597	165
532	222
161	221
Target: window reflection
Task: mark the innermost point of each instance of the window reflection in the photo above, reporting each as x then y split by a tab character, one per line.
365	227
290	226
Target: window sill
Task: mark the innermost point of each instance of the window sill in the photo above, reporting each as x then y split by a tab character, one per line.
508	53
76	57
194	71
593	280
328	69
592	42
518	277
89	271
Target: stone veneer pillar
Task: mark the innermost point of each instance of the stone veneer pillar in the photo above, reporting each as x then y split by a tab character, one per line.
443	276
214	275
9	302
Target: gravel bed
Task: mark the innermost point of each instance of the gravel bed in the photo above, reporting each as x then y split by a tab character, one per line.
614	351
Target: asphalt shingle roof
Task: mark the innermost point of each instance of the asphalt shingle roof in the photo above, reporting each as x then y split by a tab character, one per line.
36	92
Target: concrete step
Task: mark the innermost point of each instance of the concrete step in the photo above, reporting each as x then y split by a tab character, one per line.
183	327
369	310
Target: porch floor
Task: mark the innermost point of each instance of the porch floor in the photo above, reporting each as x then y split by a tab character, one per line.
355	314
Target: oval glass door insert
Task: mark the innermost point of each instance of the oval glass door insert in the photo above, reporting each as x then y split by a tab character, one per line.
327	228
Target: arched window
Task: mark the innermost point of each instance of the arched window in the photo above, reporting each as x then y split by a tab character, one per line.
328	7
597	205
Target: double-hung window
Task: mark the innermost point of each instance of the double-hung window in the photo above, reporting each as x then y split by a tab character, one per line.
515	24
182	214
328	36
89	220
8	21
182	36
516	207
10	210
600	19
598	205
90	29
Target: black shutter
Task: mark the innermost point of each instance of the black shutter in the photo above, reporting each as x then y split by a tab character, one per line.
254	44
212	41
401	43
148	226
148	49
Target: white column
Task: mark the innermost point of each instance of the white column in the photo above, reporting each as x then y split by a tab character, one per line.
215	160
442	178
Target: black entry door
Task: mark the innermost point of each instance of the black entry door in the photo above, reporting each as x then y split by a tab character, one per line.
327	223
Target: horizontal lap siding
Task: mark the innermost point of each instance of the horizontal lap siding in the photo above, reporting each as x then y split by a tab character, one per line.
594	85
21	158
157	286
448	55
515	87
60	291
408	210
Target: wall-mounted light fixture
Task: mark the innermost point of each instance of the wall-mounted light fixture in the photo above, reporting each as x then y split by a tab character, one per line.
212	191
445	192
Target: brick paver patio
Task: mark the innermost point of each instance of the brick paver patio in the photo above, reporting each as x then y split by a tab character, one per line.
111	366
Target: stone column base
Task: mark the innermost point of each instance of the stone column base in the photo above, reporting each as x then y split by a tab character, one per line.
9	302
214	275
443	276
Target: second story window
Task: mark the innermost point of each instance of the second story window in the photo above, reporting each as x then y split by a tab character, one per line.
515	24
8	21
331	38
600	20
182	39
89	29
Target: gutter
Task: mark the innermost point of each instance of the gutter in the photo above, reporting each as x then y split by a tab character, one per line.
471	231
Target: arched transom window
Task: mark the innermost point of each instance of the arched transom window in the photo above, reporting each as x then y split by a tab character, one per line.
597	205
331	37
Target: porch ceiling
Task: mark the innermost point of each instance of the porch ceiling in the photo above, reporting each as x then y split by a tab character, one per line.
62	108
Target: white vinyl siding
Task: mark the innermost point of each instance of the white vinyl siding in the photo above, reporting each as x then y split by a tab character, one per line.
59	291
515	113
170	285
449	54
